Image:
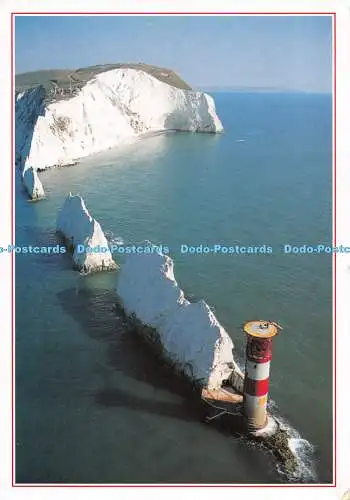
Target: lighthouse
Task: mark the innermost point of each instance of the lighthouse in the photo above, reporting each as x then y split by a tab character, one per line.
257	370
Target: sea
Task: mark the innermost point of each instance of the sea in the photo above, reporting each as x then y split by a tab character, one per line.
93	405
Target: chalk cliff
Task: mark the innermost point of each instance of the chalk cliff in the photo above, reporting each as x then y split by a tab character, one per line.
29	105
33	184
84	233
112	108
189	333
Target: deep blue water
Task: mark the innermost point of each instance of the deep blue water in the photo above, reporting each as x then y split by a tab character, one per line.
91	403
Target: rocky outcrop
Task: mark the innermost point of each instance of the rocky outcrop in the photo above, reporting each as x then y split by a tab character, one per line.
33	184
84	236
189	333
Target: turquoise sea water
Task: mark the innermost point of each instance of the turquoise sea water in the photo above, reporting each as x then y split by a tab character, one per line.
91	404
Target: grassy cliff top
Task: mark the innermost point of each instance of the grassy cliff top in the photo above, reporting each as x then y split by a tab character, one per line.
63	83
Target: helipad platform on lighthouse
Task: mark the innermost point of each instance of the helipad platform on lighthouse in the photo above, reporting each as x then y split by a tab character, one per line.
261	329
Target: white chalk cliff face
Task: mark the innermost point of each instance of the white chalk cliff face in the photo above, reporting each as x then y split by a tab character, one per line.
83	232
33	184
189	332
29	105
112	109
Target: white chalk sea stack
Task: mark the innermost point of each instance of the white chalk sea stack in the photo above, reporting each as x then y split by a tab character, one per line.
189	333
83	232
33	184
111	109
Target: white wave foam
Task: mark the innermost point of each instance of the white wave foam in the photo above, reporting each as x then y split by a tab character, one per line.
112	239
117	240
303	451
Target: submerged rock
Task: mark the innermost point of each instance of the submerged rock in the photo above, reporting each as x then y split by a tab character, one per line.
84	235
189	333
279	444
33	184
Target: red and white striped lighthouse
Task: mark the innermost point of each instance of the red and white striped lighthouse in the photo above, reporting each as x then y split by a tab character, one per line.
257	370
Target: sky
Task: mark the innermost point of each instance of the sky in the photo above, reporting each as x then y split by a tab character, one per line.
284	52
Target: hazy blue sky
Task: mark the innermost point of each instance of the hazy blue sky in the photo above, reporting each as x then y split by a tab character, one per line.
283	51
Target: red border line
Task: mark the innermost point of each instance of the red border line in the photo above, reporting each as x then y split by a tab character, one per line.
175	13
171	485
12	258
199	485
334	206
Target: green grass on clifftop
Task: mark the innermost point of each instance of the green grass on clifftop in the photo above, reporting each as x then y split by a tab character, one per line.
67	82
